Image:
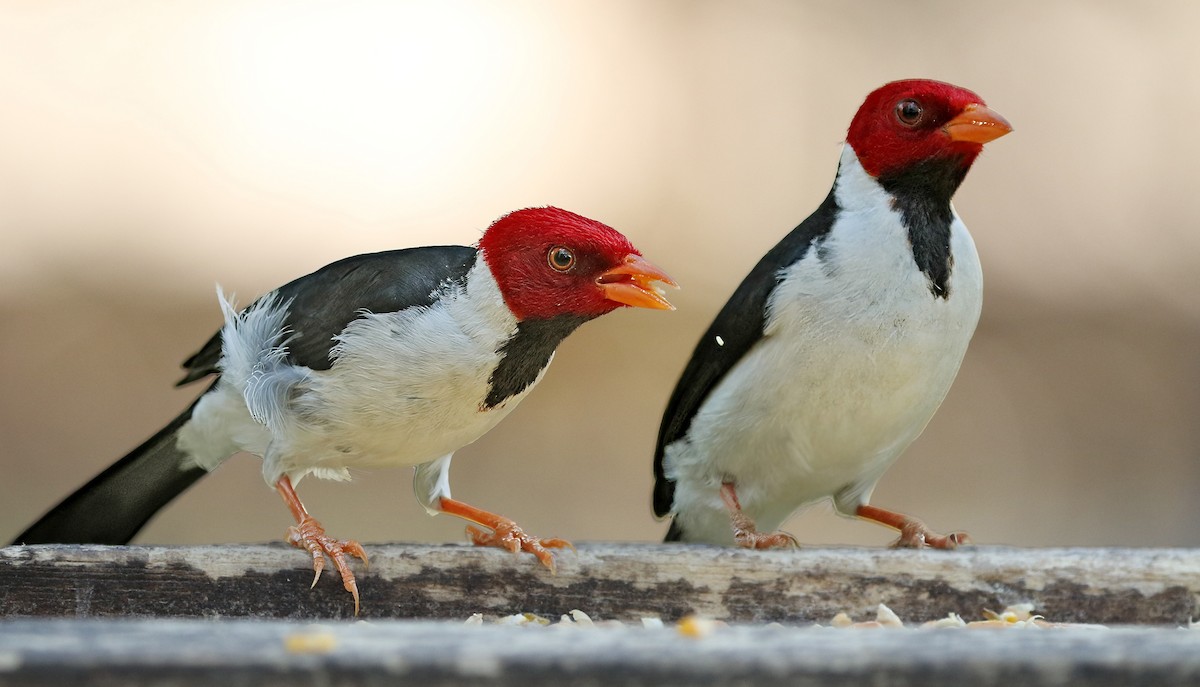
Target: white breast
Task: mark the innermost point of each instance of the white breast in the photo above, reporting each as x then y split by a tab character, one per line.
857	356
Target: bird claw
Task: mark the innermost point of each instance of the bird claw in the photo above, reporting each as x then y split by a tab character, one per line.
310	536
745	532
759	540
747	536
916	535
508	535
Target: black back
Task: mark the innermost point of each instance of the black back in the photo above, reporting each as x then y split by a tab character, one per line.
324	302
740	326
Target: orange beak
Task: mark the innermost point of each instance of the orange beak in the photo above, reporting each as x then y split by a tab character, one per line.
977	124
636	282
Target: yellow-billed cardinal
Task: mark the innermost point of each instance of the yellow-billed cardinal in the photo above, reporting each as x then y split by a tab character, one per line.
835	351
388	359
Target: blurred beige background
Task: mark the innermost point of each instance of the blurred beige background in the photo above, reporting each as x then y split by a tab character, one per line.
149	150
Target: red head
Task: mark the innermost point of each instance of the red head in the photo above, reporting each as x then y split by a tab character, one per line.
551	262
907	122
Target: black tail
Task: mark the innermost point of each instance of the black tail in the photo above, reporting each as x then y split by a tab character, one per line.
112	507
675	533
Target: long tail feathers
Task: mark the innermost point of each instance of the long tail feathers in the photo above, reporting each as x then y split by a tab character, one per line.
114	505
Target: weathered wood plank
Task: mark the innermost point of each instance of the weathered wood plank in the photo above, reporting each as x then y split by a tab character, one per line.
610	581
232	653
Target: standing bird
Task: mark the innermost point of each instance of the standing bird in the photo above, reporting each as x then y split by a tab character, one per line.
388	359
835	351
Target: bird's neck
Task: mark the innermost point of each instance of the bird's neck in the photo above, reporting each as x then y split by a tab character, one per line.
920	195
525	355
526	346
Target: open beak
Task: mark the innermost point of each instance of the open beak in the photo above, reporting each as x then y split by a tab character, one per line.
637	282
977	124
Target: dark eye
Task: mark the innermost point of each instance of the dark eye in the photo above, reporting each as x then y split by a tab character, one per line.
909	112
560	258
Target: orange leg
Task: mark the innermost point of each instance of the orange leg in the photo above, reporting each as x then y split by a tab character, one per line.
913	533
308	534
505	533
745	533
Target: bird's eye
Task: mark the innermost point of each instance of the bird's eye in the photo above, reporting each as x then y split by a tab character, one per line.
561	258
909	112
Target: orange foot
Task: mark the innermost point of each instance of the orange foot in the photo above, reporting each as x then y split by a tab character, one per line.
914	534
505	533
308	534
745	533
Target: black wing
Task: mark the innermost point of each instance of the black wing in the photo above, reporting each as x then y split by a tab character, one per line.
324	302
739	326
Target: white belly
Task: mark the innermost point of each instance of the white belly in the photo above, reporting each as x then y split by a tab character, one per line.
394	401
856	358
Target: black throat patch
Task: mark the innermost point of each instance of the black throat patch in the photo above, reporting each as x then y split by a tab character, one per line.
526	354
922	195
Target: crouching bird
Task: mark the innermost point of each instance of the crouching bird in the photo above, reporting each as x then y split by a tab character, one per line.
835	351
396	358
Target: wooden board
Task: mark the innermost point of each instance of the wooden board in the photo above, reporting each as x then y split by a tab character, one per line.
609	581
231	653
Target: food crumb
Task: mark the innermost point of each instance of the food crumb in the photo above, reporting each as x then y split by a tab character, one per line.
315	640
886	617
951	620
523	619
652	623
697	627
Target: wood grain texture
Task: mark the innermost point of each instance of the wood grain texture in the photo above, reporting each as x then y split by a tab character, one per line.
608	581
267	653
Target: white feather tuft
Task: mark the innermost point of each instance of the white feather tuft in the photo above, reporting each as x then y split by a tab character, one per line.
254	358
